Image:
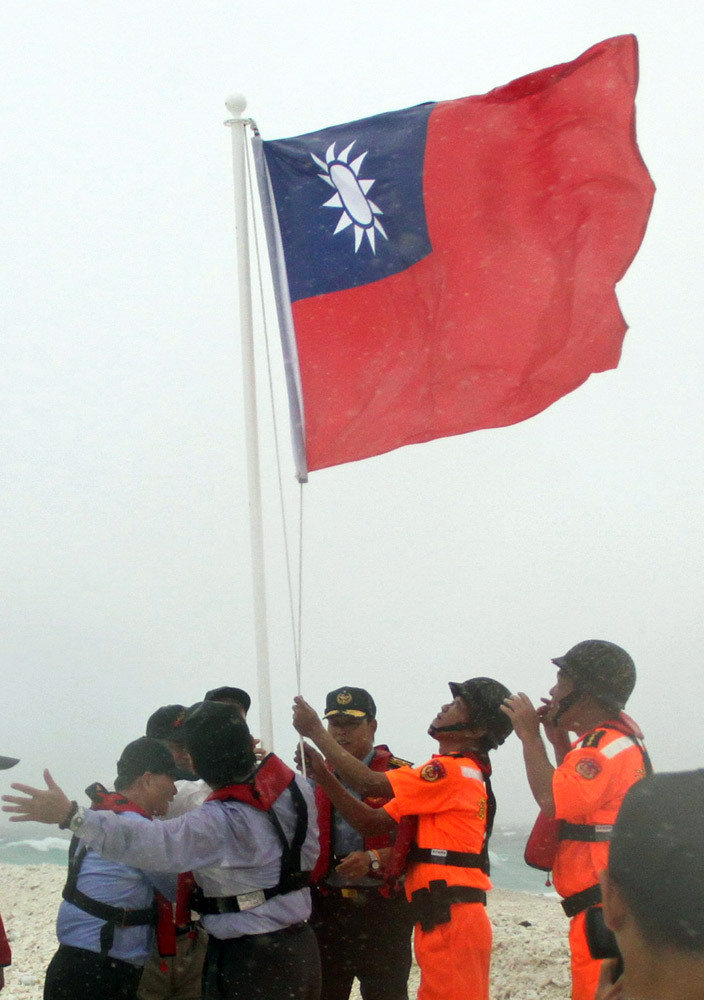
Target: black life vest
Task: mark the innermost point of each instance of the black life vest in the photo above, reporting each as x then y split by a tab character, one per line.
158	914
271	780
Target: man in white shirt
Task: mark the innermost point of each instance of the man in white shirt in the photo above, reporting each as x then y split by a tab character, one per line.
251	847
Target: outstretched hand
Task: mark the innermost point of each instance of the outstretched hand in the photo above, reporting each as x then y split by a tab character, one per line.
38	805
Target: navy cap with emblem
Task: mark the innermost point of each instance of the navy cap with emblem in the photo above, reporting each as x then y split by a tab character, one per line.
352	701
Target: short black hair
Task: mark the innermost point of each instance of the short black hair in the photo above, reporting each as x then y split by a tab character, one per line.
656	858
219	742
142	756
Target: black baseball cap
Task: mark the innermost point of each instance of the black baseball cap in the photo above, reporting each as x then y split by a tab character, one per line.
352	701
142	755
166	722
230	694
6	762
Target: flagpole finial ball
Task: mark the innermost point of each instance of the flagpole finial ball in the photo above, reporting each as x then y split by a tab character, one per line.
235	104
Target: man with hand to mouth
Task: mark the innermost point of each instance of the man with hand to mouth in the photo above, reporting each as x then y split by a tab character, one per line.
445	811
585	790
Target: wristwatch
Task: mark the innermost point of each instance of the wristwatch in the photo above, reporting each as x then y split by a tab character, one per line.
77	820
374	861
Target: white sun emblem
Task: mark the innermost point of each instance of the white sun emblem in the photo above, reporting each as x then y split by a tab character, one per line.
350	195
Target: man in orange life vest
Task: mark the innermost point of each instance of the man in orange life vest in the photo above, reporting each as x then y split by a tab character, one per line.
593	774
360	932
445	811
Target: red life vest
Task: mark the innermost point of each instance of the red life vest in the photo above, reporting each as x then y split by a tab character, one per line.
382	760
5	953
160	914
271	779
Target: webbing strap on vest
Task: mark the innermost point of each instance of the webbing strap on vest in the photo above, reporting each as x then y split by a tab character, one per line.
591	833
114	916
291	878
458	859
431	906
572	905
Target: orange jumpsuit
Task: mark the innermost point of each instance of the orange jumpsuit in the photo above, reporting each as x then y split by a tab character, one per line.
588	788
449	797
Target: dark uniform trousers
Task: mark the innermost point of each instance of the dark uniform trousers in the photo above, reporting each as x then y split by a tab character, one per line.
77	974
282	965
366	936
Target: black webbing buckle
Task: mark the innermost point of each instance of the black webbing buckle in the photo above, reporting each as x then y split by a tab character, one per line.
574	904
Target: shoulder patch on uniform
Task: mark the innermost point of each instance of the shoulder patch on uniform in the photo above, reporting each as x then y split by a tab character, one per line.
399	762
588	768
433	771
594	739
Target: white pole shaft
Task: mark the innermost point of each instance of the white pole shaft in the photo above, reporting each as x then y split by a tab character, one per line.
238	128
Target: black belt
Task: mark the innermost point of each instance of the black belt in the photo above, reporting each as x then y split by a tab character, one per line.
431	906
579	901
84	955
223	943
591	833
247	900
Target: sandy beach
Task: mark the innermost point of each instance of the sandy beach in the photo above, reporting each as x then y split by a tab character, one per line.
530	938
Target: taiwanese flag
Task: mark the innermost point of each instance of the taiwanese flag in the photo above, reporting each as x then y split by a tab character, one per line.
452	266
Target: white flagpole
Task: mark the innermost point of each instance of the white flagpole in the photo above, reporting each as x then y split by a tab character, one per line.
236	104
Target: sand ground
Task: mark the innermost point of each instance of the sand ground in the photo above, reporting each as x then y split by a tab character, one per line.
530	959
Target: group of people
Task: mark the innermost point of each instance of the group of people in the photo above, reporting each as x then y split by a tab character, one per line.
303	881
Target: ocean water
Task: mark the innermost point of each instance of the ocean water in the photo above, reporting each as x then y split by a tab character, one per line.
33	851
508	870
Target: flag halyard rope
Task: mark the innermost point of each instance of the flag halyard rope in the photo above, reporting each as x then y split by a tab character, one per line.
296	618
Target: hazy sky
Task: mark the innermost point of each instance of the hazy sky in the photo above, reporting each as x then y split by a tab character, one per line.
124	534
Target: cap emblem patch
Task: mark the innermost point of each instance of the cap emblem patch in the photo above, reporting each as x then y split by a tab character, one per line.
344	698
